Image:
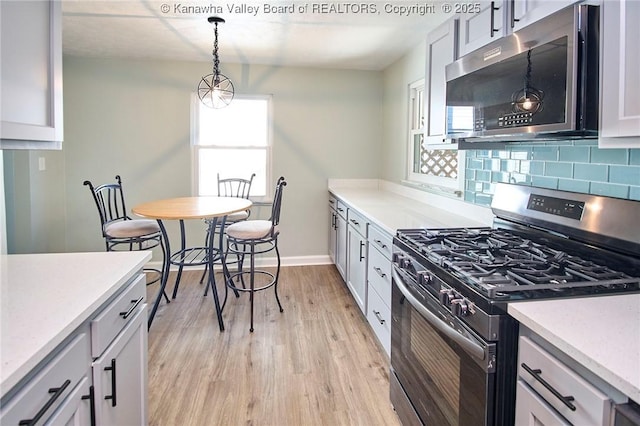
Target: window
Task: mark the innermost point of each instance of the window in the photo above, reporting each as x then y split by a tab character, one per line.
429	164
234	141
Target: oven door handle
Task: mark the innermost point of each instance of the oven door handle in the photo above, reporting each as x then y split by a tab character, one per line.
468	345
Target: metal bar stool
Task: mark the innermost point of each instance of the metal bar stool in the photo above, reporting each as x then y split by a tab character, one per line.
119	230
251	238
230	187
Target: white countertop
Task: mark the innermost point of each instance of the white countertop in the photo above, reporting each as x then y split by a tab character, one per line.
600	333
394	207
44	297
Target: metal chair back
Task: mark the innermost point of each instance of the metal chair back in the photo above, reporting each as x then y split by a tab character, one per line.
277	203
235	187
109	199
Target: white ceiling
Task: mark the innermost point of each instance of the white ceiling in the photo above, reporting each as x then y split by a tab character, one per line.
177	30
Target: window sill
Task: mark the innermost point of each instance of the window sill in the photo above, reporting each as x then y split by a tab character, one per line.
436	189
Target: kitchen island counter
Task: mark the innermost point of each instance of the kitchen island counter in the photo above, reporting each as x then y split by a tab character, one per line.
45	297
600	333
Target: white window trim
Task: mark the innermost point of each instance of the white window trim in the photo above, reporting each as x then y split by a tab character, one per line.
268	197
454	186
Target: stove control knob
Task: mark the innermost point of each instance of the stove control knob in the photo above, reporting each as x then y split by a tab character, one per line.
446	296
462	307
397	257
424	278
405	263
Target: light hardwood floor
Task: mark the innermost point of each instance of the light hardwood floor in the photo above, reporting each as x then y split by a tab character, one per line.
317	363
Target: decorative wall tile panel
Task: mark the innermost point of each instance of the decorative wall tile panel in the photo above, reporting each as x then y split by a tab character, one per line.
577	166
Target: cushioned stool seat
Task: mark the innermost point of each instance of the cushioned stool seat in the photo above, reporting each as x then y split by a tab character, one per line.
131	228
250	229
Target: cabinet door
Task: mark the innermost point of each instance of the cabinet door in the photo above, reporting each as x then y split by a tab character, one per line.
479	29
620	77
77	409
357	268
441	51
333	235
31	72
341	246
120	377
531	410
525	12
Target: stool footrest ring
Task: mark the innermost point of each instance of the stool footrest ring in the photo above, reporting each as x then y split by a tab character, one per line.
270	284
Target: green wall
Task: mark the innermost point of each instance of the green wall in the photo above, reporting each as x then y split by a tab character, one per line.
132	117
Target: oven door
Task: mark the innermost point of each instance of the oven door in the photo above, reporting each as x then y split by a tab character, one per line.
446	371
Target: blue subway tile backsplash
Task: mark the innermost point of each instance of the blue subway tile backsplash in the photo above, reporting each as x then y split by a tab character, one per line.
576	166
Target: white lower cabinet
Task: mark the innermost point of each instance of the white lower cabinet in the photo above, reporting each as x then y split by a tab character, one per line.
52	387
120	376
379	286
78	409
533	410
338	235
357	258
550	392
98	376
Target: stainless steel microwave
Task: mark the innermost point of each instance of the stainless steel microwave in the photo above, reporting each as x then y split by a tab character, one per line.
539	83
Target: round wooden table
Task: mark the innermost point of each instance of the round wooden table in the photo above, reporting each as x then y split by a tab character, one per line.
184	208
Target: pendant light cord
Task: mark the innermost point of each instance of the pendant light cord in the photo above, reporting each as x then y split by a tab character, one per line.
216	60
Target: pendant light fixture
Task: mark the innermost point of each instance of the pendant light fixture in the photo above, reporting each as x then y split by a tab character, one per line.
528	99
215	90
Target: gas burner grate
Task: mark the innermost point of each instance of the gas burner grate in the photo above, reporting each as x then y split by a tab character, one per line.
498	262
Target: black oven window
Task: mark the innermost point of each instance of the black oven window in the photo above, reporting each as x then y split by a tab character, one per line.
444	383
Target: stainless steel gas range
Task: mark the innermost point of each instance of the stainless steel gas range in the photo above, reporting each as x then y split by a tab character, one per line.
453	346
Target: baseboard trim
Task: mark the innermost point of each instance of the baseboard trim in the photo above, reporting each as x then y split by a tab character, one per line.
265	262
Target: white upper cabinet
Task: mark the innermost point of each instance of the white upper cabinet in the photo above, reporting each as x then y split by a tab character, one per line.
31	74
620	75
482	27
441	51
525	12
495	19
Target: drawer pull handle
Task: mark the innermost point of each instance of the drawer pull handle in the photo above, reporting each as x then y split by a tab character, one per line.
355	222
112	368
379	271
566	400
133	307
57	392
377	314
92	404
383	245
340	209
361	255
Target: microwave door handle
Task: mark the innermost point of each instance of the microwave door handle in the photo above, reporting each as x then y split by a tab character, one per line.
468	345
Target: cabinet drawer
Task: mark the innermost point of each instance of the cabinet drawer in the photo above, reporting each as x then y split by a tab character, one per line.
379	316
381	240
39	396
117	315
357	221
341	209
333	202
591	405
380	274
